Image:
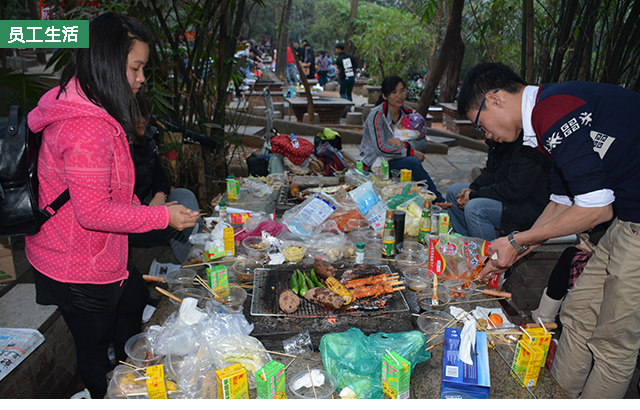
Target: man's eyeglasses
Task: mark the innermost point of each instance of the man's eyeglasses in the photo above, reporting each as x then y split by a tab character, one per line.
475	123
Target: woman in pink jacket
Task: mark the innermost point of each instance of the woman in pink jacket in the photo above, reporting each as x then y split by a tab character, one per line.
80	256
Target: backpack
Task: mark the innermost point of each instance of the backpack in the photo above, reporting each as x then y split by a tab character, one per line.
19	211
333	160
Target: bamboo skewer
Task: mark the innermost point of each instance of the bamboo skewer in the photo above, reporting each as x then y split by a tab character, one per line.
206	286
168	294
312	385
431	347
133	366
451	322
260	350
473	301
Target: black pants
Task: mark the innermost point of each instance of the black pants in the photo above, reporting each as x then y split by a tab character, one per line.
97	316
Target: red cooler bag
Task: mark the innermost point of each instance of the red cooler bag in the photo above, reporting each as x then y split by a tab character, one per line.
281	144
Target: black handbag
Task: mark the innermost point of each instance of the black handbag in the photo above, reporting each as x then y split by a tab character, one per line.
19	210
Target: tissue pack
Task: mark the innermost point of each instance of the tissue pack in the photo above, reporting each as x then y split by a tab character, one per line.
396	376
526	362
232	382
270	381
460	380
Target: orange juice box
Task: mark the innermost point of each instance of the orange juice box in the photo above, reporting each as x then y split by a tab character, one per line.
538	337
396	376
405	175
526	363
229	241
218	277
214	253
270	381
232	382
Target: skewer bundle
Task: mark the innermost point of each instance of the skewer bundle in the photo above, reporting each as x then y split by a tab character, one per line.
373	286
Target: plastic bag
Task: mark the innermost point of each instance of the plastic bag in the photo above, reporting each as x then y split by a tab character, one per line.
455	256
355	360
298	344
258	188
413	213
237	348
355	177
304	218
369	204
327	242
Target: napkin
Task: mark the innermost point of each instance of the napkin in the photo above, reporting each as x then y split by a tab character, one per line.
467	336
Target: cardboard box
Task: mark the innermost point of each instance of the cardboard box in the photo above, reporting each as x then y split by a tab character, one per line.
7	268
218	277
396	376
460	380
270	381
232	382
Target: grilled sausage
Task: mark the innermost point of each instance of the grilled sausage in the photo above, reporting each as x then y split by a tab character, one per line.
289	301
325	298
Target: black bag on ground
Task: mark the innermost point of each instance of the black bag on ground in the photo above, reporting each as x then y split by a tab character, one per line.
258	165
19	211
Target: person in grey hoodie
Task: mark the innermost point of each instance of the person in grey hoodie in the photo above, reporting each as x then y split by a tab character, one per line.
382	135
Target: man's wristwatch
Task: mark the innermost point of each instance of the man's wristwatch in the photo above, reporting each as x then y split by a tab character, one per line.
512	241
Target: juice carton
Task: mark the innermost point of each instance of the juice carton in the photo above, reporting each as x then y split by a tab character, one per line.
405	175
232	382
396	376
233	189
229	241
526	363
384	170
538	337
270	381
443	223
217	277
214	253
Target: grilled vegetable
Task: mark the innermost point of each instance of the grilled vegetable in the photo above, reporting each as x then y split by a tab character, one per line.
325	298
310	283
324	269
289	301
315	279
294	283
333	284
303	284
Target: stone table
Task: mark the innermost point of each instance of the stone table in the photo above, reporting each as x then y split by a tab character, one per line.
329	109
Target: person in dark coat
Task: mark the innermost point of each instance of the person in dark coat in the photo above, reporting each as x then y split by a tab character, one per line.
509	195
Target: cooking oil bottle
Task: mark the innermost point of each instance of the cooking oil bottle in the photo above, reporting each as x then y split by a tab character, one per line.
389	236
425	223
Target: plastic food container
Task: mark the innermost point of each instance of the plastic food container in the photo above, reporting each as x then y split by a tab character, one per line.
181	278
140	351
245	269
232	298
255	246
459	289
358	225
196	293
409	260
424	298
431	322
294	252
127	383
418	279
410	247
312	384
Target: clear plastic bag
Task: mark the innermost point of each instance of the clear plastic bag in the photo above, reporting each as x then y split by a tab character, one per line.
304	218
298	344
355	359
237	348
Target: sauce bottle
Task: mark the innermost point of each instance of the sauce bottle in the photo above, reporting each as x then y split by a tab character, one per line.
389	236
425	223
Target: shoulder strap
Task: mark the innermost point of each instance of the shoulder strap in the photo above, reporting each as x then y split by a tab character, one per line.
57	203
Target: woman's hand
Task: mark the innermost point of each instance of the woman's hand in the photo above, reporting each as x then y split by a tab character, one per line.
397	141
181	217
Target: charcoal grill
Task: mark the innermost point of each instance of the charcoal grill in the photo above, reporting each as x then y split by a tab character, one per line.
269	283
285	201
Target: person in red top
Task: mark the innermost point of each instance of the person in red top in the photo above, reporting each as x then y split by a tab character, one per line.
80	255
292	71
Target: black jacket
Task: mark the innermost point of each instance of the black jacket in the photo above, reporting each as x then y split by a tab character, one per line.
517	176
150	176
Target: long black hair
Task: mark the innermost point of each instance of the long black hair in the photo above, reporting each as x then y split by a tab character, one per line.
101	71
389	84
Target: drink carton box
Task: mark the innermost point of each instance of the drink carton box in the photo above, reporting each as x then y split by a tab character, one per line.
459	379
538	337
214	253
526	363
270	381
232	382
217	277
396	376
229	241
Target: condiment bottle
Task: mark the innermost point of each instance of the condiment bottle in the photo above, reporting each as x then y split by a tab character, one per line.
425	223
389	236
223	211
360	253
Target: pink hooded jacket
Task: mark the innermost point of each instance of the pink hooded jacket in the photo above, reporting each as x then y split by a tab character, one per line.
86	150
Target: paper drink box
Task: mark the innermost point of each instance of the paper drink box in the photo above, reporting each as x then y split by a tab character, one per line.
232	382
538	337
396	376
270	381
214	253
218	277
526	363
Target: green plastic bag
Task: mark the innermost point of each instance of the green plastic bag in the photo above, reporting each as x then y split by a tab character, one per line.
355	360
404	196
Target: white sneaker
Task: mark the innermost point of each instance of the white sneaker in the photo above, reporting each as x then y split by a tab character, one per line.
84	394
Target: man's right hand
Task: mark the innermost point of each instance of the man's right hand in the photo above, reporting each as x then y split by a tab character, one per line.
463	198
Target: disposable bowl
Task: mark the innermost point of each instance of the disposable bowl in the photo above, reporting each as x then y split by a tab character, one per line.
294	252
181	278
356	225
245	269
431	322
418	278
232	298
255	246
459	289
140	351
312	384
425	297
410	247
198	294
409	260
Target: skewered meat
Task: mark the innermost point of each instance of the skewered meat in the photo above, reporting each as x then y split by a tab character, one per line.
325	298
324	269
365	281
289	301
371	291
361	271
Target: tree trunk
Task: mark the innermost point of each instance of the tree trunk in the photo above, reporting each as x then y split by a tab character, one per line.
353	13
283	33
34	14
447	53
307	89
451	75
564	34
530	40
